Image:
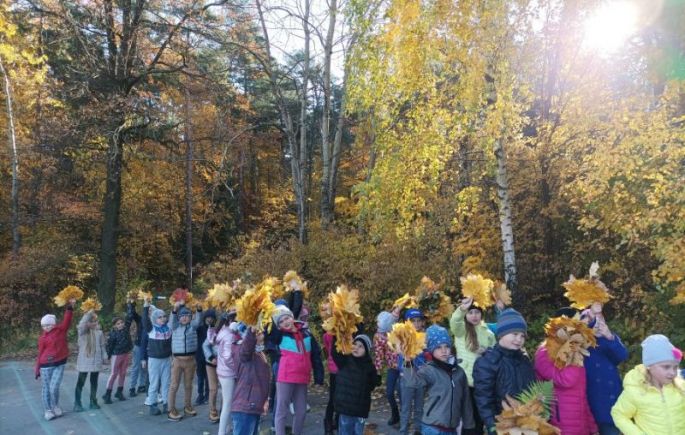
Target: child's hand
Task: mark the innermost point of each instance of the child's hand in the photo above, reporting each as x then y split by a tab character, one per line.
72	301
466	303
176	305
500	305
596	308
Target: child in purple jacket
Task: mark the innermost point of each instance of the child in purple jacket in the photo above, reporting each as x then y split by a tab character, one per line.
253	377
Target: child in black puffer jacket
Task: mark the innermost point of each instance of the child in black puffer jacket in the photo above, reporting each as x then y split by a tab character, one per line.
356	378
118	347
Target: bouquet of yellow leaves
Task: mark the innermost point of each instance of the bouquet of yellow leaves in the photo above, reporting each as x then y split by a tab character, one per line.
292	281
91	304
501	292
567	341
528	413
274	286
221	296
433	303
68	292
585	292
342	324
182	295
325	310
255	308
479	288
405	301
405	340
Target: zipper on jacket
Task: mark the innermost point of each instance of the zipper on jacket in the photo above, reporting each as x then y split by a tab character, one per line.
452	396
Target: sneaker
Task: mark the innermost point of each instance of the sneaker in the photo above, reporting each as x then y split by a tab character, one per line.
142	389
132	392
292	408
174	415
57	411
189	411
154	410
49	415
214	416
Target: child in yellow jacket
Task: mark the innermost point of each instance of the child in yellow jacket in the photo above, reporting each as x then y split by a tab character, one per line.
653	398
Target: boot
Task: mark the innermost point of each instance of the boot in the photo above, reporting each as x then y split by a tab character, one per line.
142	389
78	407
154	410
120	394
94	400
165	408
132	392
394	416
213	416
327	427
107	397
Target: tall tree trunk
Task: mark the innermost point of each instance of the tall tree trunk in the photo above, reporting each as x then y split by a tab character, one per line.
189	191
326	204
110	221
303	159
505	220
12	139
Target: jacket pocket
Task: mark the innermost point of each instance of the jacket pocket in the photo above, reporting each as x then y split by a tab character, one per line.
430	408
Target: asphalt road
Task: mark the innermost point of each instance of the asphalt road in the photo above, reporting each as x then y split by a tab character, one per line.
21	410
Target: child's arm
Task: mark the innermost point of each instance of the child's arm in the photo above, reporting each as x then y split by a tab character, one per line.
145	319
421	378
110	345
339	359
82	327
317	364
68	316
296	301
173	318
623	412
546	370
484	382
207	348
103	345
41	348
614	349
457	322
197	318
247	347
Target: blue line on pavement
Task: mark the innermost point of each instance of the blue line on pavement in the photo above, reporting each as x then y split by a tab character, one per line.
37	415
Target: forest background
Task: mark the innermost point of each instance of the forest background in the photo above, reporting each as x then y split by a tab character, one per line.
153	144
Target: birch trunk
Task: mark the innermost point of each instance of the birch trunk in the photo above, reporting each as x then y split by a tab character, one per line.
327	203
12	138
506	227
189	191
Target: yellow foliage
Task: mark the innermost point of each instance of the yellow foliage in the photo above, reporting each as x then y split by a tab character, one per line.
405	340
68	292
567	341
433	303
344	306
91	304
255	308
405	301
479	288
292	280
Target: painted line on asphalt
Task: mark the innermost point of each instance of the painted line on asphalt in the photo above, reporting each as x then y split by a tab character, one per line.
37	415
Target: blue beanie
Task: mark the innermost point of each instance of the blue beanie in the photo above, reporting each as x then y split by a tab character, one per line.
437	336
280	302
184	312
385	320
510	321
413	313
657	348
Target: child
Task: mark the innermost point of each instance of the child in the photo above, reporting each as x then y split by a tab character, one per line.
604	384
91	355
118	347
138	382
253	375
503	369
223	337
411	394
299	355
571	413
328	421
448	401
156	356
385	357
356	379
471	338
209	351
183	347
653	398
208	320
53	352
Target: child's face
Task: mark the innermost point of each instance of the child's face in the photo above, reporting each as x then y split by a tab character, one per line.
287	323
161	320
474	316
209	321
119	325
184	320
93	322
358	349
663	373
442	352
48	328
513	341
418	323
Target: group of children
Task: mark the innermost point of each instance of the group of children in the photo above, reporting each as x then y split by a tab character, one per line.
448	392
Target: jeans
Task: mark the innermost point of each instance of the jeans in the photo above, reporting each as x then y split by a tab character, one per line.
392	383
608	429
430	430
245	424
138	374
202	380
51	378
410	396
348	425
227	385
159	370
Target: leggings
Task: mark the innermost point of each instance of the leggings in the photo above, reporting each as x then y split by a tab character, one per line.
51	378
93	385
227	385
330	409
285	394
119	365
213	381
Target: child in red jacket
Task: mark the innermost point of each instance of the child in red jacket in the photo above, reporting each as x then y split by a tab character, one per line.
53	352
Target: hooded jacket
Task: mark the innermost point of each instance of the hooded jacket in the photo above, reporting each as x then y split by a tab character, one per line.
202	334
300	354
184	337
496	373
157	339
90	362
448	401
119	341
571	411
223	343
467	357
354	382
644	409
53	349
253	377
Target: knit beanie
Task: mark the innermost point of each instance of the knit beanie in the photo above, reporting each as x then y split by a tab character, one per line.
281	301
510	321
657	348
184	312
413	313
156	314
437	336
475	306
366	341
279	313
48	319
384	321
210	313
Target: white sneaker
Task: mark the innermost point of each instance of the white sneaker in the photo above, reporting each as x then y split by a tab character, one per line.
292	408
57	411
49	415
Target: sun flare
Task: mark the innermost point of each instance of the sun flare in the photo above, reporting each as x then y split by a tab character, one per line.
611	26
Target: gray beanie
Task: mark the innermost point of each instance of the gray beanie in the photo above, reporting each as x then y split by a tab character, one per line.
366	341
385	320
156	314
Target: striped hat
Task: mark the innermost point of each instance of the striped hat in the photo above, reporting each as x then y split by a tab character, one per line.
510	321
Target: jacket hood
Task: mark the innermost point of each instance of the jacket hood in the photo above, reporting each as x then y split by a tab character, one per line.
208	313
